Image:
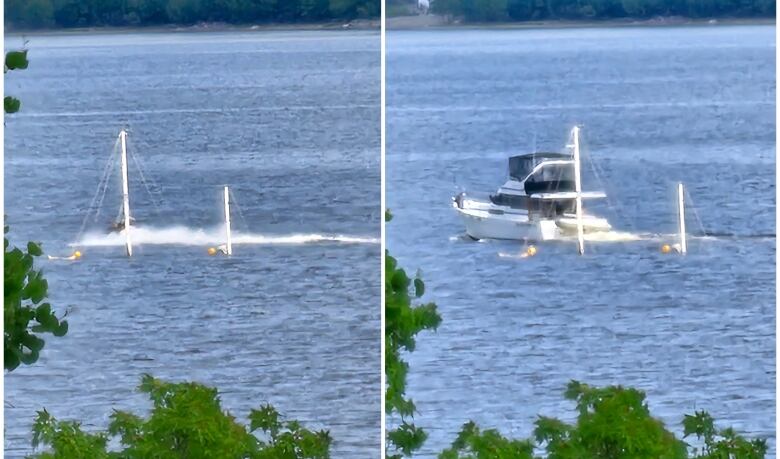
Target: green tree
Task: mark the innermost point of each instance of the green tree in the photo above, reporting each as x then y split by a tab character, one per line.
313	9
521	10
485	10
403	321
25	313
148	11
448	8
33	13
71	13
612	423
184	11
350	9
186	422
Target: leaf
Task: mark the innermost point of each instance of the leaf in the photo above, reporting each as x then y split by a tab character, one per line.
12	104
33	343
34	249
61	330
36	289
419	288
16	60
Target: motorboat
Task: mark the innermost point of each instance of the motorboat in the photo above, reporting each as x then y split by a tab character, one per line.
540	201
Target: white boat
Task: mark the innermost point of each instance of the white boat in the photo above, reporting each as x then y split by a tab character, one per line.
124	223
541	201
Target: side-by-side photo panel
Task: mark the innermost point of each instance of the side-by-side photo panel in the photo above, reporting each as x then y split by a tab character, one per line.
581	238
202	201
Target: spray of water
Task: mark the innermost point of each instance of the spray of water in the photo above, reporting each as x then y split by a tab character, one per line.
182	235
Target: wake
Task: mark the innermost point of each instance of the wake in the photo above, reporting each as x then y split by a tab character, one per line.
182	235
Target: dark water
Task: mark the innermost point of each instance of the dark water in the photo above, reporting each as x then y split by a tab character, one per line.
657	105
291	121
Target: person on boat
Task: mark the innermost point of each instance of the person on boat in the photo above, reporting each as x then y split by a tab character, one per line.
119	225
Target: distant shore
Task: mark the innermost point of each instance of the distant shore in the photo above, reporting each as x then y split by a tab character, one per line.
358	24
418	22
431	21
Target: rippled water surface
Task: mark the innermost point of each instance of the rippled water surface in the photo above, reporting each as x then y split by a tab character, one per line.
290	120
658	106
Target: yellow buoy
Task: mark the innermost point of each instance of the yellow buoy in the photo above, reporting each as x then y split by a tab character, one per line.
76	254
531	251
212	251
666	248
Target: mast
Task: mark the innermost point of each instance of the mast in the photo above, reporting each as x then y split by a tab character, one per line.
681	217
578	190
229	245
125	192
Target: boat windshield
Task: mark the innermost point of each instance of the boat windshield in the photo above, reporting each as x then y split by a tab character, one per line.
521	166
551	177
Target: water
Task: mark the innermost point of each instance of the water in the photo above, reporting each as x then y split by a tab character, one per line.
290	120
657	105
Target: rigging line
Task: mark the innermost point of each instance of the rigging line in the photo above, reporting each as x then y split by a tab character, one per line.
112	165
104	183
240	212
146	185
695	214
614	205
139	162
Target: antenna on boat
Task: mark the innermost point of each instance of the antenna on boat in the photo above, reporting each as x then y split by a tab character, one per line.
578	189
229	243
681	217
125	192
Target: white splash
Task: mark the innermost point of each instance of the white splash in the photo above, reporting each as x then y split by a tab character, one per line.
182	235
614	236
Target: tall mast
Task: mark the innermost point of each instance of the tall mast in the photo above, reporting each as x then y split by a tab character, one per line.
681	217
578	190
229	245
125	193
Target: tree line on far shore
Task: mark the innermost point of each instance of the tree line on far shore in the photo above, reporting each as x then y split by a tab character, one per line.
532	10
39	14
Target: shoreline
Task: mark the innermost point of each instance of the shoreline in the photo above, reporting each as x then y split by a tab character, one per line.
414	22
426	22
358	24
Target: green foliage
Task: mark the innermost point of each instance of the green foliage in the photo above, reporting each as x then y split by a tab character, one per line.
14	60
528	10
485	10
723	443
403	321
34	14
25	313
612	423
67	440
186	422
355	8
474	444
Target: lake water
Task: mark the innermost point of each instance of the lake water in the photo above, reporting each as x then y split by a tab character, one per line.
290	120
657	106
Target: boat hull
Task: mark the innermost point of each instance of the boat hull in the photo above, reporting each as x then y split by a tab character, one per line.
484	220
484	225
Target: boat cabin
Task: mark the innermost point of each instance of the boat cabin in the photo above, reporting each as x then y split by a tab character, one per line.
541	172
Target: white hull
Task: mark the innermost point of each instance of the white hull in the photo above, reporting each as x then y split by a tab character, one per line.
488	221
